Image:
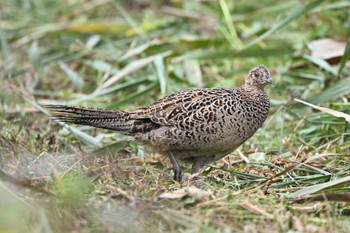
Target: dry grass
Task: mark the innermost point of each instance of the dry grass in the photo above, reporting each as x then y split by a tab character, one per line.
125	54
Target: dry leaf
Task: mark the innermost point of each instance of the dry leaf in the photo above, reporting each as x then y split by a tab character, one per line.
327	48
298	224
256	209
340	197
326	110
186	191
243	157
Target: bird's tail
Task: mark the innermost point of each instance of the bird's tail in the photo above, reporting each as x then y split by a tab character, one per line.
100	118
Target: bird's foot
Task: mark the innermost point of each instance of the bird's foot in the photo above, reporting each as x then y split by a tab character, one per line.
176	167
177	175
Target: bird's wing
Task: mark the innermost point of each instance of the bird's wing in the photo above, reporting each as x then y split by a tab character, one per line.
186	107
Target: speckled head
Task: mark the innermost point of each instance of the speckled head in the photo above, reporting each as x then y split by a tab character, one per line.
259	76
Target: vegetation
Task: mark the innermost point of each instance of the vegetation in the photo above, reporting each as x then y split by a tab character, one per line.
292	176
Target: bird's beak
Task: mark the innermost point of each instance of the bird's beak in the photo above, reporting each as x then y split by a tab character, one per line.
270	80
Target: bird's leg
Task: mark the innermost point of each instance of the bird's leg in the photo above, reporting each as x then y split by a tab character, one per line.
176	167
199	163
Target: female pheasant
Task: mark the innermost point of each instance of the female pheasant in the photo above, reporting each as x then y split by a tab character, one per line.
197	126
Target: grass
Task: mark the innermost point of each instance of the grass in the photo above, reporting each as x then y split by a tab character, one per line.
127	54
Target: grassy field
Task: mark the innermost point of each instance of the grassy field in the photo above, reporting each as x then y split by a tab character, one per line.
292	176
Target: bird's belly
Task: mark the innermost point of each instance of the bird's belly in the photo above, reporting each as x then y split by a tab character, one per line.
222	140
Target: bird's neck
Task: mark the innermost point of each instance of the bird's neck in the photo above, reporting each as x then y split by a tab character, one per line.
253	92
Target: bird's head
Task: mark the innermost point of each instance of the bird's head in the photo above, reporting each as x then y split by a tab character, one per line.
259	76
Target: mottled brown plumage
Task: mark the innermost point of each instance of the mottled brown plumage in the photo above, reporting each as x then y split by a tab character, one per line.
198	126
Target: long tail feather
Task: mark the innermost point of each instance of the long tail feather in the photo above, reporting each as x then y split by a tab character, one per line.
100	118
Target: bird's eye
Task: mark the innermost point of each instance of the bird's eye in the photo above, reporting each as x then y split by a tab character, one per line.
256	75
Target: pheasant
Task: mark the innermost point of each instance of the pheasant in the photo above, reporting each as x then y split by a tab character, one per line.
198	126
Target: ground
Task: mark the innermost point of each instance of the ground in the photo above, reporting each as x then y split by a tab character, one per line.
291	176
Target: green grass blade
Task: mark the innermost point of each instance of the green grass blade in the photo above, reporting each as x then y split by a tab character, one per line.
318	187
234	40
327	110
137	50
339	89
34	54
108	91
101	66
128	19
76	79
87	139
5	49
333	6
160	68
296	12
345	58
193	72
132	67
321	63
251	52
134	96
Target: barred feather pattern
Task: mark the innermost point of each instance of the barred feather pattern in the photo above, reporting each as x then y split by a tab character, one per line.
197	126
